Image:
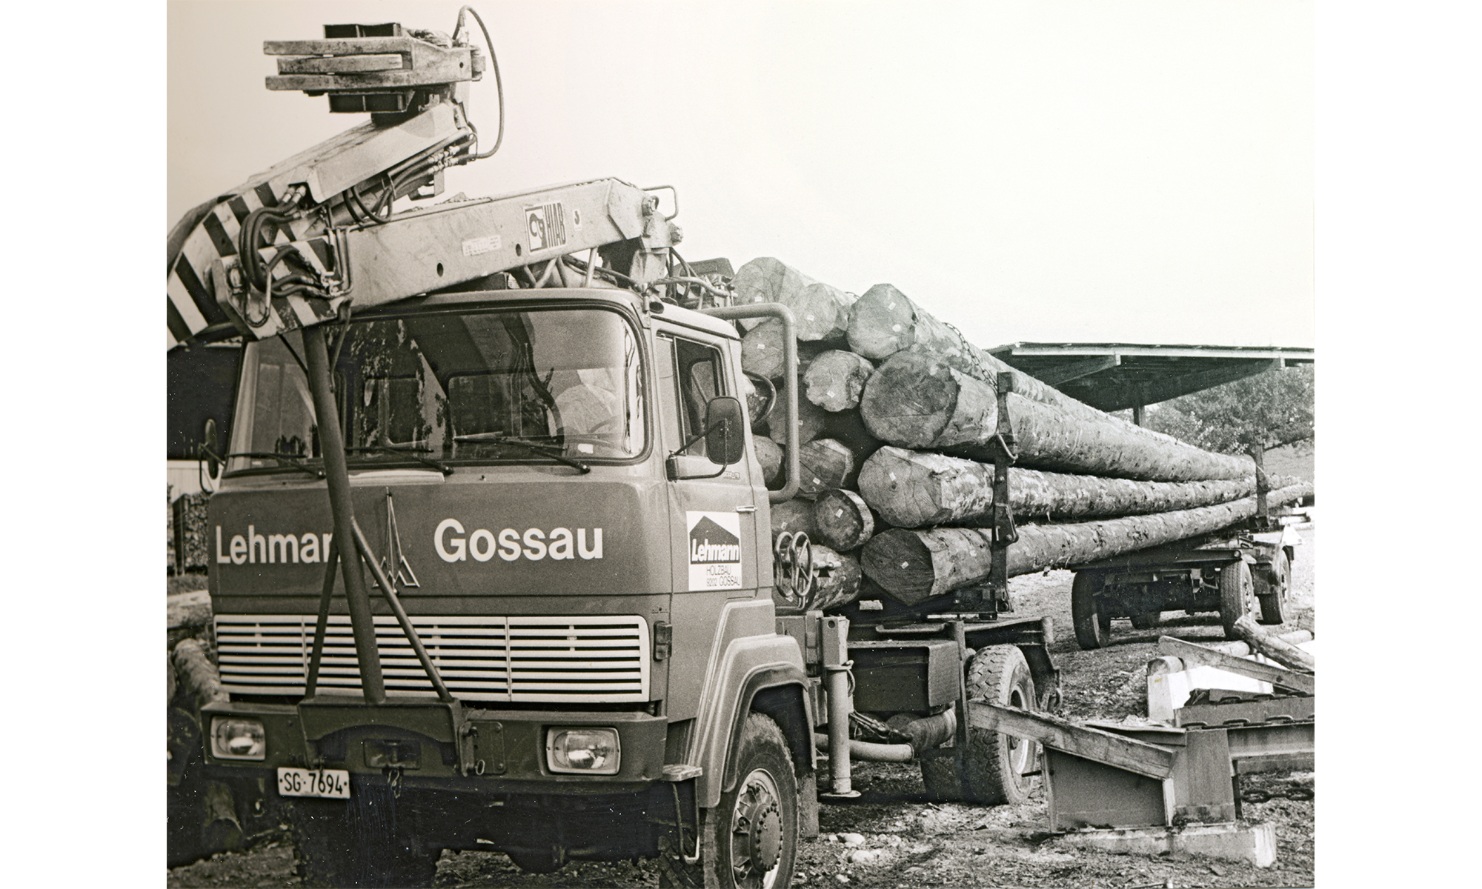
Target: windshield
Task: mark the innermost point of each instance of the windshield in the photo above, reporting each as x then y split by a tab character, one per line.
492	386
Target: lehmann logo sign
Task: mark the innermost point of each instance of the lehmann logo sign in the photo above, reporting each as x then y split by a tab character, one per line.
714	550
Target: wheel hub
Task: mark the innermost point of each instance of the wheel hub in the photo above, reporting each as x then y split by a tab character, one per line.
757	840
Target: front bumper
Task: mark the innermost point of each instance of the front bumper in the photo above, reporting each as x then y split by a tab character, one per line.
440	745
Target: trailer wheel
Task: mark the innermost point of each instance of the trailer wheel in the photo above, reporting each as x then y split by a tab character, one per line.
1273	600
749	840
1237	595
355	842
996	766
1092	626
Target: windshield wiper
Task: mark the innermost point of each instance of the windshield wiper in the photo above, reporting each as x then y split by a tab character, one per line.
533	447
290	460
411	451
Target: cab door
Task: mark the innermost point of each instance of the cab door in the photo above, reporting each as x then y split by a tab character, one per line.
715	532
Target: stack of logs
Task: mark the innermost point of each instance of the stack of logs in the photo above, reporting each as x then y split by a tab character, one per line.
897	415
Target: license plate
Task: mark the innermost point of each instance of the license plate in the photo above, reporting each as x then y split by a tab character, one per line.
321	783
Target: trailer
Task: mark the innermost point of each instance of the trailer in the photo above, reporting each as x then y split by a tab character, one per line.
1234	572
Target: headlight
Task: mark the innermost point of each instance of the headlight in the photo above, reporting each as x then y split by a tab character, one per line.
591	751
233	738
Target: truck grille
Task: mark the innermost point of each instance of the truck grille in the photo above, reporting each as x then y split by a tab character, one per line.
499	659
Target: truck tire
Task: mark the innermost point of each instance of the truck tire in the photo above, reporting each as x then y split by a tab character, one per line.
1237	595
1147	620
995	766
749	840
1273	600
1092	627
345	843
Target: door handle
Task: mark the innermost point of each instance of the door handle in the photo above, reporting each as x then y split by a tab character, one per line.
746	509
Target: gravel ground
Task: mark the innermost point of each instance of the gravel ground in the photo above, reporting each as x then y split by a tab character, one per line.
892	836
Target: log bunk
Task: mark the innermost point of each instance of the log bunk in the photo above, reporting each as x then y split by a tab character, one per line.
932	472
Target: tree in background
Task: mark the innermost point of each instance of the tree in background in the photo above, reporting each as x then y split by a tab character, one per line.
1268	410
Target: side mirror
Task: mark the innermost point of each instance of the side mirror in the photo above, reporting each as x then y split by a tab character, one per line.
725	437
210	449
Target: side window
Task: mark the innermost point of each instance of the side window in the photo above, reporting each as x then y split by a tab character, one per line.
691	374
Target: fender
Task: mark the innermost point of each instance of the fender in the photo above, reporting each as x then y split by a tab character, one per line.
749	665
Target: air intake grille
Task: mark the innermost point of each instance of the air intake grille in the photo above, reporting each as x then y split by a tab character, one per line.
500	659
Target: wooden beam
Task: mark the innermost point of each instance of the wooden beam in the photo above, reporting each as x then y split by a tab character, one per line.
1122	397
1138	757
1191	653
1064	373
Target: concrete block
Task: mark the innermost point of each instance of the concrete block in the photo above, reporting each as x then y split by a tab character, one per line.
1252	843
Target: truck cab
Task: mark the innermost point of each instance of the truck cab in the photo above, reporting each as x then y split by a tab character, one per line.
560	487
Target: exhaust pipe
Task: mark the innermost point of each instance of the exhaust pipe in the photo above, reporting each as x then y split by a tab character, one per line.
925	734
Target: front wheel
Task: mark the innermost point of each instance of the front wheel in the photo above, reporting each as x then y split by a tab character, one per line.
749	840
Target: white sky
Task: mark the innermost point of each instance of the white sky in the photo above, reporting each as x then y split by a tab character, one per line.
1077	171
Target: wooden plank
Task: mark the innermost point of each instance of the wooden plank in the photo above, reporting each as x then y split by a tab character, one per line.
1198	654
1150	760
1064	373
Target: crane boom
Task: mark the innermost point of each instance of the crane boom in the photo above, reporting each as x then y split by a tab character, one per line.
296	245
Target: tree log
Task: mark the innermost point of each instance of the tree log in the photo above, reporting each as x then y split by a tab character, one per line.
196	674
762	351
825	464
769	455
822	312
917	489
843	519
915	565
793	515
836	578
811	418
1269	644
767	280
884	322
915	400
836	379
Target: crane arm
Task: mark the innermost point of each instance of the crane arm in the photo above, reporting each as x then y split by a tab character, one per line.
295	245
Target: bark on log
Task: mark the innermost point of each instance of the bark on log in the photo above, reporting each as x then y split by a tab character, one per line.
1284	653
769	455
836	379
766	280
836	578
918	489
843	520
196	674
915	400
916	565
825	464
885	321
793	515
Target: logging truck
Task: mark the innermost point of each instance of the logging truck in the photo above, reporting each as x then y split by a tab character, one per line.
491	562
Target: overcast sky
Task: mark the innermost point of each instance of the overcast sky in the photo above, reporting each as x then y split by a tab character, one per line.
1046	171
